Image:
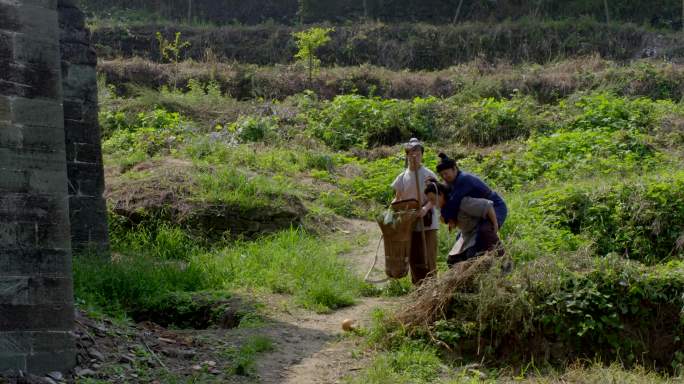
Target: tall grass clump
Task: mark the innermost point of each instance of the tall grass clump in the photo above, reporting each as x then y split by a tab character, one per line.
226	185
290	262
154	238
129	284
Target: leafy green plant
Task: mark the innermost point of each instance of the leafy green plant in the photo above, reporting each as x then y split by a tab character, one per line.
567	155
639	219
252	129
243	359
490	121
170	50
148	135
352	120
308	41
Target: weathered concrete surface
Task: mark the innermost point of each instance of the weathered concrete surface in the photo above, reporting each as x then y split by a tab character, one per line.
36	294
87	207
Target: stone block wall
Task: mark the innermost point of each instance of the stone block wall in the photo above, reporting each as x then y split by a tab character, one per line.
87	209
36	294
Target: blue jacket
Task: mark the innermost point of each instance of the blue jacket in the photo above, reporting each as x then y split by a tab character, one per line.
469	185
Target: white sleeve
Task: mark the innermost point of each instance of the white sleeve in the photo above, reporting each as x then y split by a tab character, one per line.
398	183
431	174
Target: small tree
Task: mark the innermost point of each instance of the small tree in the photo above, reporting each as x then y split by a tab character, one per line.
170	51
308	42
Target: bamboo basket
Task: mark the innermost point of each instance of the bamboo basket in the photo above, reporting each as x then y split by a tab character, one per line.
397	237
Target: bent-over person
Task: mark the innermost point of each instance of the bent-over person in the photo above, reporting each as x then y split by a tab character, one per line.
476	220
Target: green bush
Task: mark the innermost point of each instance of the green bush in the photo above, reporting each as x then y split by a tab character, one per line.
601	311
642	219
607	111
252	129
356	121
147	135
571	155
547	309
489	121
111	122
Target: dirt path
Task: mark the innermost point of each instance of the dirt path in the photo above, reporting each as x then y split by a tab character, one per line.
312	348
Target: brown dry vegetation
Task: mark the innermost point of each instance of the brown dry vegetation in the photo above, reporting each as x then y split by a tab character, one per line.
654	79
401	46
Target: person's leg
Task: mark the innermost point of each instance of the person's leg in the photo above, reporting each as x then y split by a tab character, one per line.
432	245
418	260
487	238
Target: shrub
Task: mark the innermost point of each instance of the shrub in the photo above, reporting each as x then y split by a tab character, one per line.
146	136
605	110
568	155
641	219
357	121
546	309
489	121
252	129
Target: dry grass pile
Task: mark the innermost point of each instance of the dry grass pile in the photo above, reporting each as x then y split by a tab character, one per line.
432	299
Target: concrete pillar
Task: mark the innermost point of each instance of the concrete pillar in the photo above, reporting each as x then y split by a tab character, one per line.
36	294
87	208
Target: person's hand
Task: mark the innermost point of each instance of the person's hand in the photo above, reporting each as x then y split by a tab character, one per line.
422	212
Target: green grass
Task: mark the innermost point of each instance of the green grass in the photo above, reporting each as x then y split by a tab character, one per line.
132	283
243	359
412	363
227	185
290	262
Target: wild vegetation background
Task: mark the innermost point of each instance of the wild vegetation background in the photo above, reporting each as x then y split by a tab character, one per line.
231	169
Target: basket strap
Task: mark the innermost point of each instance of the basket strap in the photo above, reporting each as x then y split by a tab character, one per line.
375	261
